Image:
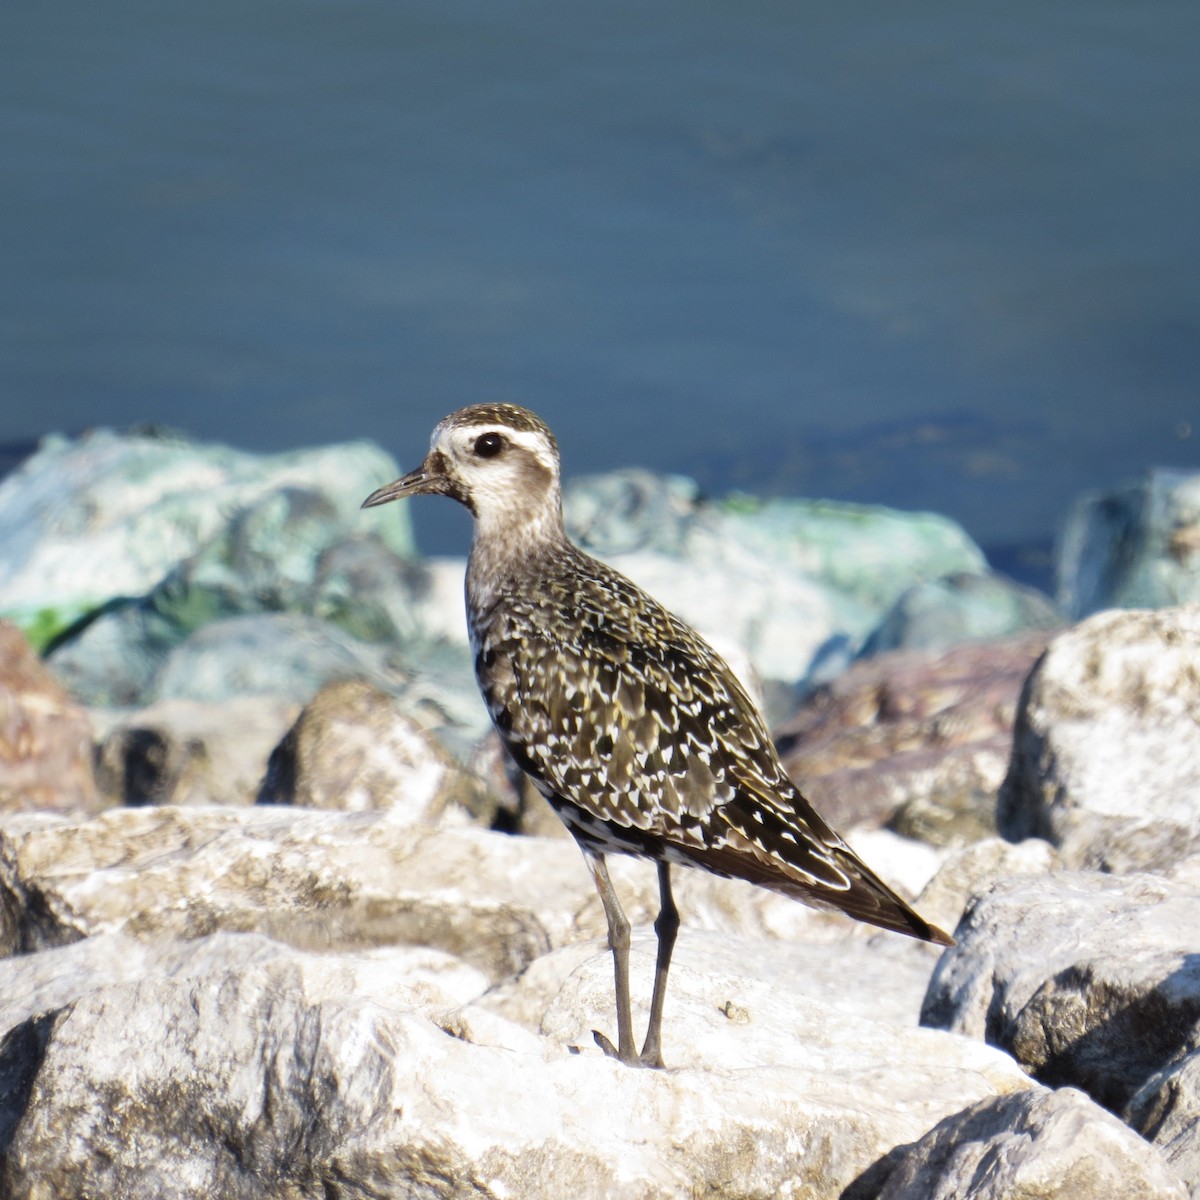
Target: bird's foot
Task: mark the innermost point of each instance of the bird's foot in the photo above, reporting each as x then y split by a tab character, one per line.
647	1058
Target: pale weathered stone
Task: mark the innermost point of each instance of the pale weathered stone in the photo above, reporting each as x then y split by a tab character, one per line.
354	748
334	880
1088	980
45	738
189	752
413	975
878	978
1106	753
1166	1111
315	879
972	869
1034	1145
265	1077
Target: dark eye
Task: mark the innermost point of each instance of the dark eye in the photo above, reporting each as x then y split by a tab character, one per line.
488	445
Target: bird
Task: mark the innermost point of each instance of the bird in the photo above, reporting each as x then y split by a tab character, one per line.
634	729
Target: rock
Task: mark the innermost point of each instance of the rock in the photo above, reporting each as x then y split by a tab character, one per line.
285	657
1137	546
376	595
256	1075
354	748
1106	750
767	983
1165	1110
336	880
362	593
277	654
45	738
939	613
315	879
189	752
520	807
1087	980
1036	1145
33	984
108	516
920	741
971	869
624	511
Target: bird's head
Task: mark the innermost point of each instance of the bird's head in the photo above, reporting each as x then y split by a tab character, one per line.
499	460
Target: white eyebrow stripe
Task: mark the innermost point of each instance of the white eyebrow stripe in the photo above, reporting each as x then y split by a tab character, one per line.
527	439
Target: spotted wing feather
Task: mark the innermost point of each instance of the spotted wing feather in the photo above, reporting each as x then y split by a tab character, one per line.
643	739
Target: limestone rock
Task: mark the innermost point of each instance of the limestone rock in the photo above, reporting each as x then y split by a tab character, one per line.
315	879
879	978
45	738
1165	1110
1087	980
335	880
915	739
189	752
1137	546
1106	751
972	869
1036	1145
354	748
32	984
257	1076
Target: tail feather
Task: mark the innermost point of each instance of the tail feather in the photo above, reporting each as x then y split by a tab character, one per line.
851	887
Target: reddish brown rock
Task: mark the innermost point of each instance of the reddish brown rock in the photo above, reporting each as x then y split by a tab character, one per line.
917	741
45	738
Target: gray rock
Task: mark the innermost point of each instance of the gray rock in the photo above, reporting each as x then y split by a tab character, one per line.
939	613
33	984
1106	750
109	516
1087	980
189	752
972	869
314	879
1036	1145
357	590
620	512
354	748
1137	546
331	879
276	654
257	1075
1165	1110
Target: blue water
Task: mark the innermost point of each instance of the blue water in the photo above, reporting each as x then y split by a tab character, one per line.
934	255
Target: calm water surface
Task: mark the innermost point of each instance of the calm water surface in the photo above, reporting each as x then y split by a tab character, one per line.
934	255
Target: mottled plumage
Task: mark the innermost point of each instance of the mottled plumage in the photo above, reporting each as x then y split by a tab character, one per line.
630	725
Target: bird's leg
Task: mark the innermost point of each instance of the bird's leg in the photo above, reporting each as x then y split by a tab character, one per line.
618	941
666	926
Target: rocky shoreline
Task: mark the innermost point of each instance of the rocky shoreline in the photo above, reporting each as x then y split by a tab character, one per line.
278	922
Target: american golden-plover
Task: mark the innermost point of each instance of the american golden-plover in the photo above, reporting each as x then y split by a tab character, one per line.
626	720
